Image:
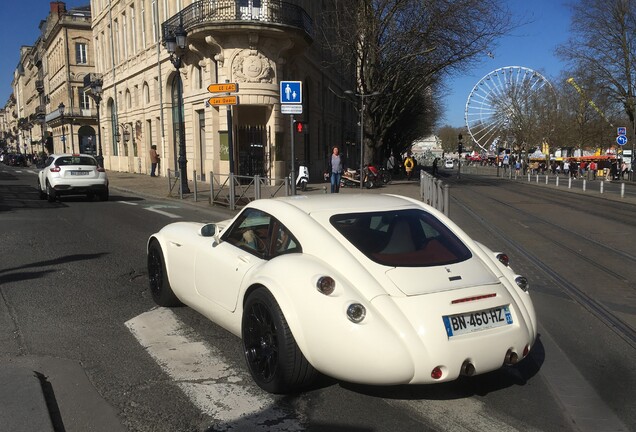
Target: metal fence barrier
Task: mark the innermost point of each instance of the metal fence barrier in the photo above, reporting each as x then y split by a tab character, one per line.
434	192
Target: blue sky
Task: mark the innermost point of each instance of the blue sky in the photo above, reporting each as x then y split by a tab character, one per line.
531	45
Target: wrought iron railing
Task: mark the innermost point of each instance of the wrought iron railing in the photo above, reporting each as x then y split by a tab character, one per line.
219	11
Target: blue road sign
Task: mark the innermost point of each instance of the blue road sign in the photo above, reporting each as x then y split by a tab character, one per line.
621	131
291	92
621	140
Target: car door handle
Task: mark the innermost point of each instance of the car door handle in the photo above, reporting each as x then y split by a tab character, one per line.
175	244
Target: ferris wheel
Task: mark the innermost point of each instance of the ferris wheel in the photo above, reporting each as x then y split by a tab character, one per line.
503	102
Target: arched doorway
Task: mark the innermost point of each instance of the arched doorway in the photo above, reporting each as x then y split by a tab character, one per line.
87	140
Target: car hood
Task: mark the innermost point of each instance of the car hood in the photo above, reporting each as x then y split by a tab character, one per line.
417	280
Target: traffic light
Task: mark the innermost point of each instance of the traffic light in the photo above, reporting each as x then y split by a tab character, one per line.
300	126
460	148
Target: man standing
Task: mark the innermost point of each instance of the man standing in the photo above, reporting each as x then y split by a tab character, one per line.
336	163
154	160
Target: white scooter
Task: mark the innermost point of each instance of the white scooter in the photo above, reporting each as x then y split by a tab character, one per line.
303	178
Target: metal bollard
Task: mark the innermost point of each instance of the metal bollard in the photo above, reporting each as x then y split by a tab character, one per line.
546	179
602	183
584	184
622	190
557	181
569	182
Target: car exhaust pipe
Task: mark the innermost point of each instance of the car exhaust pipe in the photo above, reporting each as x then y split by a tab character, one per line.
467	369
511	358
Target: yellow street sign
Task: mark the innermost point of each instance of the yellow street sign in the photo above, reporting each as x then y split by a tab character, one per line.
224	100
223	88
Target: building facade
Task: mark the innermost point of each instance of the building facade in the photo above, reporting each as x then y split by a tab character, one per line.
149	96
253	43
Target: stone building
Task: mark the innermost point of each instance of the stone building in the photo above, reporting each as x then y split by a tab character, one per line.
256	44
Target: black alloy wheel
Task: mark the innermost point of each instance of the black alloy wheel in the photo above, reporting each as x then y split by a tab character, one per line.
275	362
50	193
160	289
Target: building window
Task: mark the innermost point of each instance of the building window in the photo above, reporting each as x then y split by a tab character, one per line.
84	99
155	19
81	53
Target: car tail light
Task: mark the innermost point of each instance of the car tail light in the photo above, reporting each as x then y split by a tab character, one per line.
326	285
503	258
526	351
356	312
436	373
100	169
522	283
55	169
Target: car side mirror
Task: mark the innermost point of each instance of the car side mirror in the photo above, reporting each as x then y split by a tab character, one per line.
211	230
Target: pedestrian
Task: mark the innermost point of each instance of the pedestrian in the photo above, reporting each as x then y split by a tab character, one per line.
154	160
336	165
624	169
409	164
435	166
593	169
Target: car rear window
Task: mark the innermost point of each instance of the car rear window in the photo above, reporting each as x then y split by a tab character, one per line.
75	160
405	238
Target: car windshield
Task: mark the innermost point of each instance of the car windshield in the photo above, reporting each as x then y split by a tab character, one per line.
75	160
404	238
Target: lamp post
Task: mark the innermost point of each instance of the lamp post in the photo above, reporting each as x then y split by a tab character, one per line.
60	108
96	94
362	96
175	40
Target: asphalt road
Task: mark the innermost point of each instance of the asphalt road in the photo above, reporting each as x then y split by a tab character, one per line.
74	306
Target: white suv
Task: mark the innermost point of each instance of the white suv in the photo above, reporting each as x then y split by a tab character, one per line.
72	174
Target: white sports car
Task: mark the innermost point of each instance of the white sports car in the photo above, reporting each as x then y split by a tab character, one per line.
373	289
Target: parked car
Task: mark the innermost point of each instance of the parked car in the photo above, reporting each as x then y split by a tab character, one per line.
448	163
372	289
72	174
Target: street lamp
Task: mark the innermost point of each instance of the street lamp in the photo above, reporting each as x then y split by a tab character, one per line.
362	96
96	93
175	40
60	109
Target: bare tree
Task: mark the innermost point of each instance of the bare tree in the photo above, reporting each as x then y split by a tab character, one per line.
403	49
603	44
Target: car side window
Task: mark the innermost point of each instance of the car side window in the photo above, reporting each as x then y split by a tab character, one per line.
250	232
283	241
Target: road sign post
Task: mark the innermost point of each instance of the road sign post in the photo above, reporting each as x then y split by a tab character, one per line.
291	102
228	100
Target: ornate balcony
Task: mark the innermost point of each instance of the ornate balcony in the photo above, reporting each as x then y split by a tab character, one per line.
224	13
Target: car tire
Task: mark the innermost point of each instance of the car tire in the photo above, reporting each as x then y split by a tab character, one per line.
103	196
41	192
274	360
160	289
50	193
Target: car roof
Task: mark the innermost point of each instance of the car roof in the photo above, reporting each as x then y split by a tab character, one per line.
56	155
337	203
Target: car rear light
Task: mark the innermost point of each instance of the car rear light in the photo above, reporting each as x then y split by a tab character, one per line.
356	312
100	169
526	351
55	169
522	283
326	285
469	299
503	258
436	373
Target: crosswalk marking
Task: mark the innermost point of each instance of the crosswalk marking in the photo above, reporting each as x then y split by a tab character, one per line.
211	384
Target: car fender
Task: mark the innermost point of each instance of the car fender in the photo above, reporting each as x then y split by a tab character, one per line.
327	338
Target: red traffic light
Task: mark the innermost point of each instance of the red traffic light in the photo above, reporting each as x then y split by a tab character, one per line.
300	126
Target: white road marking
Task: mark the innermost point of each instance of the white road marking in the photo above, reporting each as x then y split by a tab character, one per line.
213	386
164	213
155	208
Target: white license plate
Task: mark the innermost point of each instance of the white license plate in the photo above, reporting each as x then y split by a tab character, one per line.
79	172
475	321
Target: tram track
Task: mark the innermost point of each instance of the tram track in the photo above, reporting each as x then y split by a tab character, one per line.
598	309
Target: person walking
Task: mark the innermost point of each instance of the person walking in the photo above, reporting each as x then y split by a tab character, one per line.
154	160
336	165
409	164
